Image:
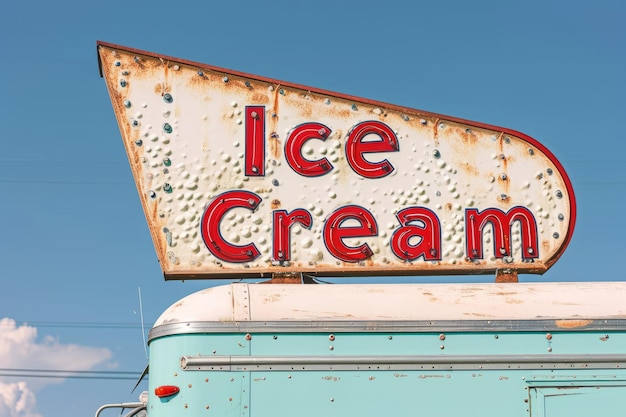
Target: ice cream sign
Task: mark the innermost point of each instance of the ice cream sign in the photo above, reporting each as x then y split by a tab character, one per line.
242	175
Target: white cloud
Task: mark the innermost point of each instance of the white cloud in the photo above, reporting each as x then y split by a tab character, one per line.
21	349
17	400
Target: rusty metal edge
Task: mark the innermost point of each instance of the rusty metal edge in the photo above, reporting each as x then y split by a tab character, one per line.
347	272
117	113
570	190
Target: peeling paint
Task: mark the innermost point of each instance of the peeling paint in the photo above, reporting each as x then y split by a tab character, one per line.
572	324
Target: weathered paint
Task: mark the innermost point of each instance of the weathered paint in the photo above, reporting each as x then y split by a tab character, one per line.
477	349
194	132
568	305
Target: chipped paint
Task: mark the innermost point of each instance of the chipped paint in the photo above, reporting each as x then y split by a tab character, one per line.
433	376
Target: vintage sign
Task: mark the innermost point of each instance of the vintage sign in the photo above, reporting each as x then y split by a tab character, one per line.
249	176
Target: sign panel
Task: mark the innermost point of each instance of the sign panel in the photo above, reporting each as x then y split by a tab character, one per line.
241	175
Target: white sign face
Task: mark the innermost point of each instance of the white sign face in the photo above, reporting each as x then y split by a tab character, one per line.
240	175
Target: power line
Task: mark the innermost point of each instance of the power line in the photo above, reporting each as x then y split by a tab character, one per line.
129	378
61	182
63	161
70	374
70	370
75	324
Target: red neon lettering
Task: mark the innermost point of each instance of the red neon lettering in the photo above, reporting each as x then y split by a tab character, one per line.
293	150
254	164
501	222
335	232
282	223
417	222
356	147
210	226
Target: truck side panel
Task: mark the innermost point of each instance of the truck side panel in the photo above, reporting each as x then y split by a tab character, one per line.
373	373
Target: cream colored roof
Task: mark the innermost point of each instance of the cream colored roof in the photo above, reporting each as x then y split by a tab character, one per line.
400	302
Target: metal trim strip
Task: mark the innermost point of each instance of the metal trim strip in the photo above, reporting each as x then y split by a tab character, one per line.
404	362
241	302
387	326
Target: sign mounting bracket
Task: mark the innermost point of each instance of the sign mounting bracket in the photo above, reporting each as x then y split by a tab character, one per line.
506	276
290	278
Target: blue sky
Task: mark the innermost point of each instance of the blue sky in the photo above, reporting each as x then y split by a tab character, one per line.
75	247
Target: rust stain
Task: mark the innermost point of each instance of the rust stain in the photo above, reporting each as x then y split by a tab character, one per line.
276	97
259	98
504	182
166	73
155	210
604	338
275	145
303	102
275	204
476	314
470	169
197	79
282	280
501	141
274	140
472	290
507	276
572	324
545	246
272	121
196	82
342	112
503	177
467	135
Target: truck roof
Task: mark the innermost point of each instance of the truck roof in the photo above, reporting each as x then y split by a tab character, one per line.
572	304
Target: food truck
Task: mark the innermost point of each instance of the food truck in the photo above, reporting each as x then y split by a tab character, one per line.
242	176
